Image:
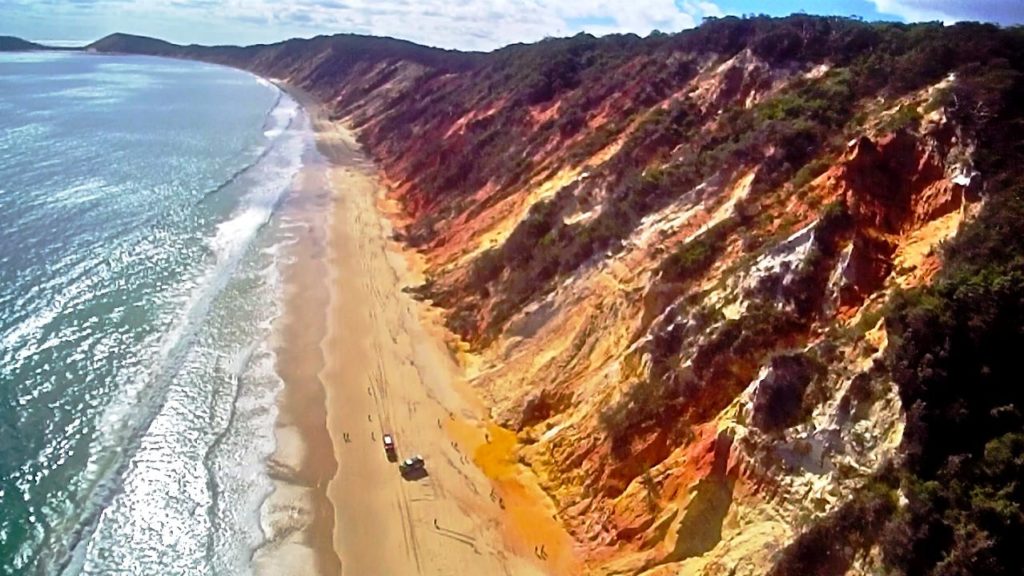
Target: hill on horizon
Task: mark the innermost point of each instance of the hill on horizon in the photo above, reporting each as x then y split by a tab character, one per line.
13	44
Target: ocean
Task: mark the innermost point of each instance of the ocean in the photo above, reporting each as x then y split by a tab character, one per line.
140	265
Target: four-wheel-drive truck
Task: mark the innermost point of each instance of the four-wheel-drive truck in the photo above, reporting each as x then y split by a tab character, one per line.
412	466
389	448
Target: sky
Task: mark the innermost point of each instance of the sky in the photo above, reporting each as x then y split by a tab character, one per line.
462	24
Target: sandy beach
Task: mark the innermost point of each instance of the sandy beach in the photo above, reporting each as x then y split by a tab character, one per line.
361	358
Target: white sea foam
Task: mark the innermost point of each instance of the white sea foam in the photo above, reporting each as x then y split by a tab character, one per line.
235	233
268	180
282	116
128	420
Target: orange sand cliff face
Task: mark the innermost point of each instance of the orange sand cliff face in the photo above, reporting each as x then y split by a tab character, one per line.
707	492
703	490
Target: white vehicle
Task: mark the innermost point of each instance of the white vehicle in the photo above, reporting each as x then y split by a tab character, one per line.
412	466
389	448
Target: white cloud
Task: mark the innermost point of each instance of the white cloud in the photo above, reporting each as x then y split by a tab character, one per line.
487	24
466	24
1001	11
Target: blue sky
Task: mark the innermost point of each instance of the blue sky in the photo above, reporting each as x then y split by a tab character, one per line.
465	24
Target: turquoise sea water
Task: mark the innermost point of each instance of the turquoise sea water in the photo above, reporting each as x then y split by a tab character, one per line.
138	282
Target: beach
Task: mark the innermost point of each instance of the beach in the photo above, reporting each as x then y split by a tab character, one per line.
297	519
360	358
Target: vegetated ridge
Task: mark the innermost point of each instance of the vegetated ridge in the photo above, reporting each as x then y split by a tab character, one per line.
12	44
751	295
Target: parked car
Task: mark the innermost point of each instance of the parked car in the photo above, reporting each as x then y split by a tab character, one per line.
389	448
412	467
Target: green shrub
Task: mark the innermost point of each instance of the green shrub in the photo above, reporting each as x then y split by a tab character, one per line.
486	268
907	117
779	401
690	259
645	403
954	356
829	546
810	171
593	143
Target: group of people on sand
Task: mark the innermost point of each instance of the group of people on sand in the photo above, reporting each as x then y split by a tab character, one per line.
348	438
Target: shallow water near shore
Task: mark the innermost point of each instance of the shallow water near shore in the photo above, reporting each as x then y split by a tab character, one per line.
140	264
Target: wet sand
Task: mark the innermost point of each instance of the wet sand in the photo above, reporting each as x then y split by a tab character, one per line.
298	518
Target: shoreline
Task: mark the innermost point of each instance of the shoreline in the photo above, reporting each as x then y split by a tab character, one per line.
297	518
381	365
